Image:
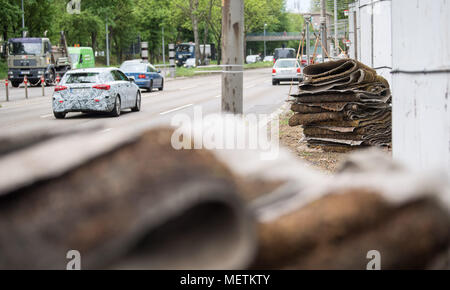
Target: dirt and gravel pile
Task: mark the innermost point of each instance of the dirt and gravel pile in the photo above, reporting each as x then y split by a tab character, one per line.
342	105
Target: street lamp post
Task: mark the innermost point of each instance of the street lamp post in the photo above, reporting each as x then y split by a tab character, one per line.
107	41
265	25
163	50
23	21
336	43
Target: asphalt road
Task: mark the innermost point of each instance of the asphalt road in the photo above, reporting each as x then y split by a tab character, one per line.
180	95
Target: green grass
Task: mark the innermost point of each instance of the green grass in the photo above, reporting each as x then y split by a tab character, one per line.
189	72
258	65
3	70
184	72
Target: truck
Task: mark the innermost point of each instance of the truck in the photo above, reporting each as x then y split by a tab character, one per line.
185	51
34	57
82	57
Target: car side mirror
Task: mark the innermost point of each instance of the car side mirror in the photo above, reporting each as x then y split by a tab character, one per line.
158	71
131	79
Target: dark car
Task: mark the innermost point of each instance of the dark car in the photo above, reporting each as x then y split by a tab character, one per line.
283	53
145	75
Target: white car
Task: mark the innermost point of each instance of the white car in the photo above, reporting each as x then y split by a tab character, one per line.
252	58
95	90
268	58
190	62
286	70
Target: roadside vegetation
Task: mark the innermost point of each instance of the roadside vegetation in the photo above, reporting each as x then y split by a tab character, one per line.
132	21
3	70
189	72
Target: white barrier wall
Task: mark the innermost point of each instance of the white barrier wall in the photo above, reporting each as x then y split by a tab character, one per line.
373	45
421	83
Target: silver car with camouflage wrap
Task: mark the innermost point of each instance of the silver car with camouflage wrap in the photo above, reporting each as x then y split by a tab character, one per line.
95	90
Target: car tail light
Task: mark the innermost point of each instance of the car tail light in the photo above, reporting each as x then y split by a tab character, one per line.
298	70
60	88
274	71
102	87
142	76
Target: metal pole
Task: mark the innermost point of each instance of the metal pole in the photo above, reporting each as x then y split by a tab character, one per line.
323	27
25	82
23	21
163	51
43	85
308	43
172	59
107	42
232	56
7	90
355	35
336	43
265	25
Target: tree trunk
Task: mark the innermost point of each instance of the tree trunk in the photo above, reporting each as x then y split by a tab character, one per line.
193	5
94	40
205	36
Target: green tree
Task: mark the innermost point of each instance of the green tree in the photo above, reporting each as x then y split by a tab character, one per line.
9	17
39	17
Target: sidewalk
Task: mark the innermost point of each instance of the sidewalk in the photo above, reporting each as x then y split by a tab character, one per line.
18	94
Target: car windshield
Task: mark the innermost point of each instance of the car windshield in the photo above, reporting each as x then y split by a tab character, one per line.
185	48
74	57
134	67
23	48
82	78
285	53
285	64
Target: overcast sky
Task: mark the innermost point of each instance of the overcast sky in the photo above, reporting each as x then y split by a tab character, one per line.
298	5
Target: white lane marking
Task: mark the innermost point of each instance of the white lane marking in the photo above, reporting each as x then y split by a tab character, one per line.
176	109
106	130
46	116
187	88
218	96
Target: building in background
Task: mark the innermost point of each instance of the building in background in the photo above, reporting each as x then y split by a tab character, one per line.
408	43
298	6
370	34
421	83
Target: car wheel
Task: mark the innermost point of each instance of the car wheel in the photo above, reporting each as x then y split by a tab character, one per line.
137	107
162	86
51	78
150	89
15	84
274	82
59	115
116	110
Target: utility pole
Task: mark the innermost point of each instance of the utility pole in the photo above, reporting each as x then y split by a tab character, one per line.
308	41
23	21
232	55
163	51
336	43
323	27
107	42
265	25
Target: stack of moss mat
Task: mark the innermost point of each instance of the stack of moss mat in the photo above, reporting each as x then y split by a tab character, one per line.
343	105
